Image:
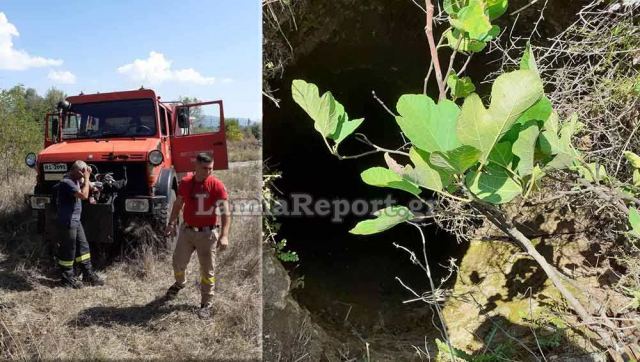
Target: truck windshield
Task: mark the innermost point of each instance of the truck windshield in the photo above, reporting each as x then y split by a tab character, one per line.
128	118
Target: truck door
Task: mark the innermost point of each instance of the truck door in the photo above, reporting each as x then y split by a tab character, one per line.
51	129
199	128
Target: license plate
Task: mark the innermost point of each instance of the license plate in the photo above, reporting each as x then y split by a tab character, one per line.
55	167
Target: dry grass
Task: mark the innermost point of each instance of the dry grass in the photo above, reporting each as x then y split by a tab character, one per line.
12	193
40	320
245	150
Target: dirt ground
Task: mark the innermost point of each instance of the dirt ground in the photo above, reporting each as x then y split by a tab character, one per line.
124	319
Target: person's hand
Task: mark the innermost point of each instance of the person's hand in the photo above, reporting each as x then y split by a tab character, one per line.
170	230
85	174
223	243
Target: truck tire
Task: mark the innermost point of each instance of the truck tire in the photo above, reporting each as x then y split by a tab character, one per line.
162	220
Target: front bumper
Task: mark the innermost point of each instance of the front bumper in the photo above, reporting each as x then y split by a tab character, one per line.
101	221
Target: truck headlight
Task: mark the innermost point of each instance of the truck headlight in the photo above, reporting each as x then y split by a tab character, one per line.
155	157
39	202
136	205
30	160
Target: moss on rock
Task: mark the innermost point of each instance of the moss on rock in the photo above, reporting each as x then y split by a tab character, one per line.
494	283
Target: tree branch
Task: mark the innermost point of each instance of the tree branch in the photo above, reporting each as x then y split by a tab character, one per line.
432	49
497	218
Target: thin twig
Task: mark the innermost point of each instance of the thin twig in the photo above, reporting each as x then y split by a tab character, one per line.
626	144
433	288
451	60
523	8
373	93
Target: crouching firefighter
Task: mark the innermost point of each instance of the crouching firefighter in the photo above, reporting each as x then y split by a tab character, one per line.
200	194
73	249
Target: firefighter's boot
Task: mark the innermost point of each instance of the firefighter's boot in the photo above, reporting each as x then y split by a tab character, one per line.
205	311
69	279
173	291
89	276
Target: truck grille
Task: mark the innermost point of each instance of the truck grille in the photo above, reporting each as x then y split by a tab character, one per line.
124	157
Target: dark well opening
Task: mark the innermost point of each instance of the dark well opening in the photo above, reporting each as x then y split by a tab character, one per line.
352	48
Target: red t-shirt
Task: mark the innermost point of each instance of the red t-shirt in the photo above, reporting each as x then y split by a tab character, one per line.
200	199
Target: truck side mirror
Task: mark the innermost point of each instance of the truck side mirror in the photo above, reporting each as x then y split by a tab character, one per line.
183	117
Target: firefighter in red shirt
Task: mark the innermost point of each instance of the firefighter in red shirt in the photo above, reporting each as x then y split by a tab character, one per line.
200	193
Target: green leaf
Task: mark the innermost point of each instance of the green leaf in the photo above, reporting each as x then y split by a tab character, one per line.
534	179
423	174
476	127
472	20
460	41
549	141
528	61
634	221
440	161
455	161
636	177
560	161
493	185
524	148
593	172
385	219
444	353
453	6
329	115
512	134
502	154
460	87
541	111
345	128
512	94
321	109
633	159
568	130
492	34
383	177
496	8
430	127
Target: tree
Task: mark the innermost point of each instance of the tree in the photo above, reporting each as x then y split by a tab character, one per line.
19	108
256	130
232	129
52	98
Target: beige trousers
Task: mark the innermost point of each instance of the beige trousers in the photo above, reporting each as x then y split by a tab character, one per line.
204	243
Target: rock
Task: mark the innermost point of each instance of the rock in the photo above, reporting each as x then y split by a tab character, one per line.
289	334
502	297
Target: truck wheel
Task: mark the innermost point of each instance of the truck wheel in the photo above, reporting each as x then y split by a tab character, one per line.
163	219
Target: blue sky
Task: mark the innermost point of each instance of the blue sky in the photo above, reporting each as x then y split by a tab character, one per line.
209	49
